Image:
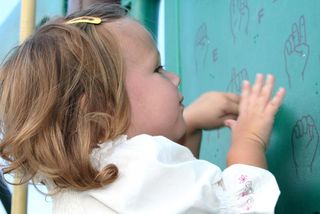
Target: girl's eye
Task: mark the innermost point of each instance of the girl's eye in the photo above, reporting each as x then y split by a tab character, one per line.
158	69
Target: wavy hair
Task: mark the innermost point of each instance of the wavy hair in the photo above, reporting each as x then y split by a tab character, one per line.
62	92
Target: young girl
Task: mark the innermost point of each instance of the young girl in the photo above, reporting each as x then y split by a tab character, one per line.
88	110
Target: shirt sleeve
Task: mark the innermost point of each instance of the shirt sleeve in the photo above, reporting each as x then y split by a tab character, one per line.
248	189
160	176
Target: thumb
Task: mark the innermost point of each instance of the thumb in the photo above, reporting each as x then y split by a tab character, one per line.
229	123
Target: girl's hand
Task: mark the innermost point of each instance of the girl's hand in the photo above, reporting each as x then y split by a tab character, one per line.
210	111
252	129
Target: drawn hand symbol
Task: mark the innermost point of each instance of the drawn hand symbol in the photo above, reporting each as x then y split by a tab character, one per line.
296	52
237	78
239	17
201	45
305	141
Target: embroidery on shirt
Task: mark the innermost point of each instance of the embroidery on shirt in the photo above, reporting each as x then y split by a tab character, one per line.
249	203
246	191
243	178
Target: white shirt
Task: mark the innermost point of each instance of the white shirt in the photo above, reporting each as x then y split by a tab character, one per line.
157	175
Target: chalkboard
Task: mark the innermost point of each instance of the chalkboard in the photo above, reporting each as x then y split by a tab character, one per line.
215	44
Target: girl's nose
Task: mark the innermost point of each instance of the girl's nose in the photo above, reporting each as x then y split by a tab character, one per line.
175	79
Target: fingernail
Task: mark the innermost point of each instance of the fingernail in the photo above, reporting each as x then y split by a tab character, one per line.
259	75
269	76
245	82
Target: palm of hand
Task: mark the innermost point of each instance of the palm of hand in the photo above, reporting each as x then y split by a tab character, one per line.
257	111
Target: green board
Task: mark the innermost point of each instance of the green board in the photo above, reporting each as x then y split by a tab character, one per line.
215	44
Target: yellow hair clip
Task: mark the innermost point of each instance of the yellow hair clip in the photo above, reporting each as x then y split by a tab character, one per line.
85	19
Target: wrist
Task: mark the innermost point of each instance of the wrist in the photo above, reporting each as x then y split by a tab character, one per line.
256	139
189	121
249	152
250	139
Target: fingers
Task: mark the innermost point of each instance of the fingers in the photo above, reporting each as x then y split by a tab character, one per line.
232	6
246	91
230	123
295	35
302	126
256	88
233	97
232	109
230	117
302	26
267	90
288	47
312	128
258	97
233	104
255	95
276	101
310	121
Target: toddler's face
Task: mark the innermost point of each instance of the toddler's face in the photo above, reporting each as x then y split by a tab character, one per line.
156	103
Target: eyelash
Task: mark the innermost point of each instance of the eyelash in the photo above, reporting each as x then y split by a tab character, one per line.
157	70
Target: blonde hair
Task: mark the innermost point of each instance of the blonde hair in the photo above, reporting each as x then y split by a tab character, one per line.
62	92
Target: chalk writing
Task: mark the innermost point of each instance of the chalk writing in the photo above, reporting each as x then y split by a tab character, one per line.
296	52
239	17
305	141
260	15
236	80
201	45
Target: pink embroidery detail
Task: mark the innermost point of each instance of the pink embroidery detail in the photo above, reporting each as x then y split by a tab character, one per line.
248	188
246	191
244	194
242	179
249	203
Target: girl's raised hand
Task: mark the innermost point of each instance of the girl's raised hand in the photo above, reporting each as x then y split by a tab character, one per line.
210	110
252	129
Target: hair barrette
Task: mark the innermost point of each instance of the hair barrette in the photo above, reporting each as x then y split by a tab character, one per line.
85	19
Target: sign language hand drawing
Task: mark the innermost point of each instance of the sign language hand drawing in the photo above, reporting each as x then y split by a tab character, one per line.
305	141
296	52
201	46
239	17
236	80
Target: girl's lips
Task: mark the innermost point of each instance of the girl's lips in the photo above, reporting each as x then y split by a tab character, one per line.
180	102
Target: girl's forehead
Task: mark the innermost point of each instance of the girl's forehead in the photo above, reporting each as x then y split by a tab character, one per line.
129	30
138	49
134	40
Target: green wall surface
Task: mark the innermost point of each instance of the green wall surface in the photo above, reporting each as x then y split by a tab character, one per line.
215	44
